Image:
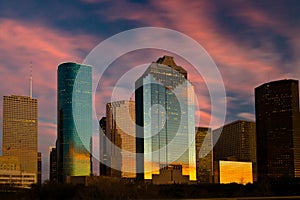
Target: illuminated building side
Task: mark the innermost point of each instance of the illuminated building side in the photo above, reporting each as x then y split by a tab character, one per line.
20	131
237	142
165	120
120	130
12	175
235	172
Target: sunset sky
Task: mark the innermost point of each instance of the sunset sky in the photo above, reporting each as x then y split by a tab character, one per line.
251	42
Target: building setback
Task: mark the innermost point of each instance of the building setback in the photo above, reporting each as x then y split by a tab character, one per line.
278	129
74	125
20	131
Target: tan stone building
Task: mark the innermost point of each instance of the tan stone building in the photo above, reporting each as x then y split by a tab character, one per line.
20	131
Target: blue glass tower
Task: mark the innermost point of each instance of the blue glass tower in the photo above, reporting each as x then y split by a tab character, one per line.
74	120
165	120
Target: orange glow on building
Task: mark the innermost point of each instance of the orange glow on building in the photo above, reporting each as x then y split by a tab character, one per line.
235	172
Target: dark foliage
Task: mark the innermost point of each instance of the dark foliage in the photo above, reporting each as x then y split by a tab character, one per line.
109	188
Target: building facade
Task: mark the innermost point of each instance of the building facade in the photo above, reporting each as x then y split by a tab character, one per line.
234	172
237	142
74	125
204	164
39	167
120	131
20	131
53	164
103	166
278	129
12	175
165	120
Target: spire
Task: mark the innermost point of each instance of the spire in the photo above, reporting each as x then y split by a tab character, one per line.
30	81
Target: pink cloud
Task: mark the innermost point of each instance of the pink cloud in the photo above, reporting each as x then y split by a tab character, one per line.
242	66
22	43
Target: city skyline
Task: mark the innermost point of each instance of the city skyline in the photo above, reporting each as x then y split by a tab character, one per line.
255	38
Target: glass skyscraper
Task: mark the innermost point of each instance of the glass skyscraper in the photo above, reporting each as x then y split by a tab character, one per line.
278	129
74	128
165	120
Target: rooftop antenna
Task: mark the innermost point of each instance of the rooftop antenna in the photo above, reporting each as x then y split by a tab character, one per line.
30	80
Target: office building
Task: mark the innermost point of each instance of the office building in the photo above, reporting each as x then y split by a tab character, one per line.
204	164
103	166
165	120
74	120
171	174
237	142
20	131
120	130
39	167
12	175
278	129
53	164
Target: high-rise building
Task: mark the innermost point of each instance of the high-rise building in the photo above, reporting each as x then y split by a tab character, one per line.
53	164
103	166
39	168
204	164
74	121
120	130
12	175
278	129
165	120
237	142
20	131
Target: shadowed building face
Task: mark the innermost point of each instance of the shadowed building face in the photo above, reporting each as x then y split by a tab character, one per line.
278	129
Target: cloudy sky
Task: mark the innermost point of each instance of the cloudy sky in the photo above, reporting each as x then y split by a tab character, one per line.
251	42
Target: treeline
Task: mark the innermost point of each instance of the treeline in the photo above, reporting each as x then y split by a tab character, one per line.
107	188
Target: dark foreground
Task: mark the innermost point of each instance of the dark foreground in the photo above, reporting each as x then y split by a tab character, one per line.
107	188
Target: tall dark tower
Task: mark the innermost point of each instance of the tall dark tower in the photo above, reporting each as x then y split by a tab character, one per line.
278	129
102	148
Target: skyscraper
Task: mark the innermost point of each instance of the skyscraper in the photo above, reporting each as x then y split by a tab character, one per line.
120	130
53	164
204	158
74	121
103	166
39	168
165	120
237	142
20	131
278	129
